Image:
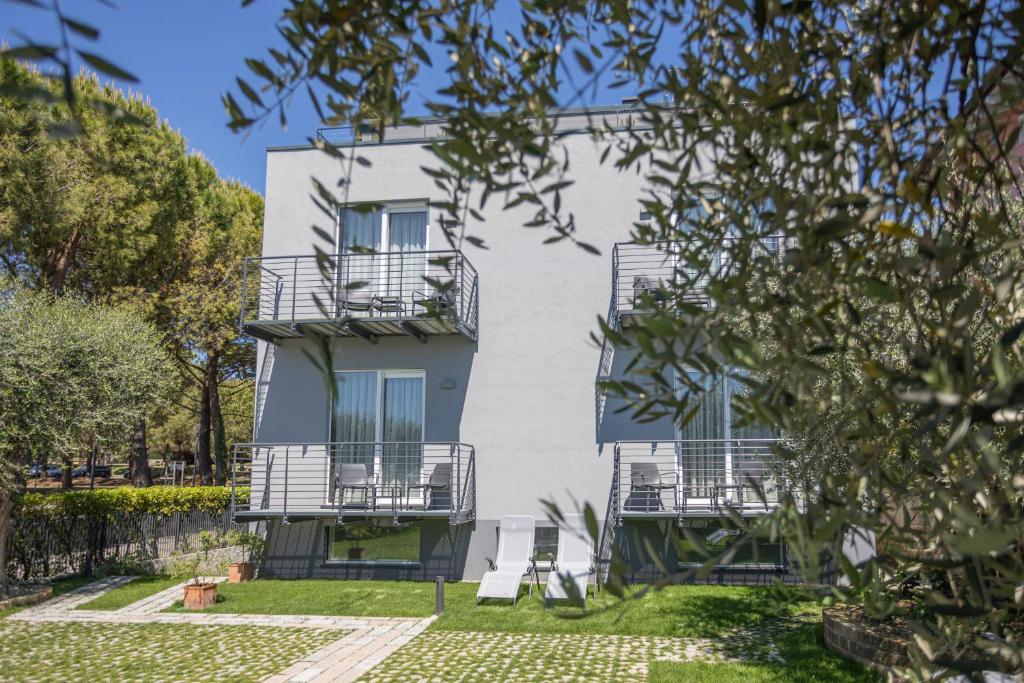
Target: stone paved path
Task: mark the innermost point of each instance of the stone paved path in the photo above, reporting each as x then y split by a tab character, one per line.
365	643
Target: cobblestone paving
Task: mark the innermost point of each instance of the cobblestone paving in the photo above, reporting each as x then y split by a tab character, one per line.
140	642
469	656
44	651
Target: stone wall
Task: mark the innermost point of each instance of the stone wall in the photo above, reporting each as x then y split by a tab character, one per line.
215	565
855	637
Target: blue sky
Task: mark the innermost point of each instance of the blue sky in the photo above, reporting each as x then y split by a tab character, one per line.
186	54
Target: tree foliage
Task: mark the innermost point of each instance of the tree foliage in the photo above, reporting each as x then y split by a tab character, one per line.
871	140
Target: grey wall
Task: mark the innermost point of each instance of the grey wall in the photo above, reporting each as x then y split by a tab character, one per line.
524	394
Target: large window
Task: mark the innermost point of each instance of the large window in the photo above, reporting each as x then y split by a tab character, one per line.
378	418
711	537
374	541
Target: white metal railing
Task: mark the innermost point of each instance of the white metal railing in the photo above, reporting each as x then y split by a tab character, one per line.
675	478
344	479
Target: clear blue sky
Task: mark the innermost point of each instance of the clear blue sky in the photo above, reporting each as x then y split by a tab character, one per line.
186	54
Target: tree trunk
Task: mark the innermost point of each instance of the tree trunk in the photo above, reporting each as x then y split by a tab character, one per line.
6	504
204	461
220	446
66	482
59	266
141	475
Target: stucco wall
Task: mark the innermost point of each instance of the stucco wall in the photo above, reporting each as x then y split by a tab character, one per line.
523	395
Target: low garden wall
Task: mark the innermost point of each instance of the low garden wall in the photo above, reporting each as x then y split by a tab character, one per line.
117	530
880	646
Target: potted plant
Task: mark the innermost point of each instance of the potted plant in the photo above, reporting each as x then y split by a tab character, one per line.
252	547
201	594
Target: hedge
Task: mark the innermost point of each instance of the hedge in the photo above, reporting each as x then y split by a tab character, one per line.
162	500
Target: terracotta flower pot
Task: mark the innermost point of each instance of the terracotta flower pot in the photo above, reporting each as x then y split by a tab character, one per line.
241	571
200	595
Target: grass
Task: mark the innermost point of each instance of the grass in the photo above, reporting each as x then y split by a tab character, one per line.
151	652
675	611
807	661
133	591
60	587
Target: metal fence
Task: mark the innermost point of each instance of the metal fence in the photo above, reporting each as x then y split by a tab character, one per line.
436	289
676	478
40	547
398	479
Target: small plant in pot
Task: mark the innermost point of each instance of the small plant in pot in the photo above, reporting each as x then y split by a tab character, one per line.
200	594
252	547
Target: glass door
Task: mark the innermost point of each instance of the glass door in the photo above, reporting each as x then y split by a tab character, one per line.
377	422
359	246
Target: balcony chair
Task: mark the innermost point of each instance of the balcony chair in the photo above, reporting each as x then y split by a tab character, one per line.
355	301
573	564
439	487
646	483
352	477
645	287
513	562
441	302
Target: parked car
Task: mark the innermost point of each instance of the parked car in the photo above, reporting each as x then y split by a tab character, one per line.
80	471
101	470
54	471
35	471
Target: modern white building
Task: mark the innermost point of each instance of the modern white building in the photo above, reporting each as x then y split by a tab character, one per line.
452	387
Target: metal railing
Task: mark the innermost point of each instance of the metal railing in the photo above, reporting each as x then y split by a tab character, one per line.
646	277
378	286
677	478
354	479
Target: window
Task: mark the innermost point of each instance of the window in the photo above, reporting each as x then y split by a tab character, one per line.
377	416
545	543
374	541
716	535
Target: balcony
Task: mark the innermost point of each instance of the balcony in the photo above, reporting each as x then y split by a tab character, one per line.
417	294
694	478
353	481
646	277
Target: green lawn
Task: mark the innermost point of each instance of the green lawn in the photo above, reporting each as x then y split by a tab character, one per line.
133	591
807	661
675	611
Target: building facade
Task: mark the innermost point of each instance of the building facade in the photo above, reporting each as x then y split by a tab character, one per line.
411	392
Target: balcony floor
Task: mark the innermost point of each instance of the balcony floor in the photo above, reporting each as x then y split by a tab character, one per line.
369	328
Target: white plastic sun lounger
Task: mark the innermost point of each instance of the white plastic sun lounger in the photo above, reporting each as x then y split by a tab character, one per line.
574	561
514	560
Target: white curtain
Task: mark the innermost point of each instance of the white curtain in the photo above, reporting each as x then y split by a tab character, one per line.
407	262
403	423
354	418
360	231
703	460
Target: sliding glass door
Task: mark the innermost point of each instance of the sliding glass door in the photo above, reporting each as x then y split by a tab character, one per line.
377	421
384	248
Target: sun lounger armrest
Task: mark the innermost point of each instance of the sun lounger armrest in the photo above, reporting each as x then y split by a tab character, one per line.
491	564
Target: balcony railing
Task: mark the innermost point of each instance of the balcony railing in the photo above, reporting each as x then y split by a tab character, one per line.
675	479
355	480
646	277
418	293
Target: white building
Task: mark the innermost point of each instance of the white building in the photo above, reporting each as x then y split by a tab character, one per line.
438	426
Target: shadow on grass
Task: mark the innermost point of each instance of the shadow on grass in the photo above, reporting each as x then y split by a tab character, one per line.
806	661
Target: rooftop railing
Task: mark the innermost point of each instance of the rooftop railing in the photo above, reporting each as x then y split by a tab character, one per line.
675	479
354	480
417	293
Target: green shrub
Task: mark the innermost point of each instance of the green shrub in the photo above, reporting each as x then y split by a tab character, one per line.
163	500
